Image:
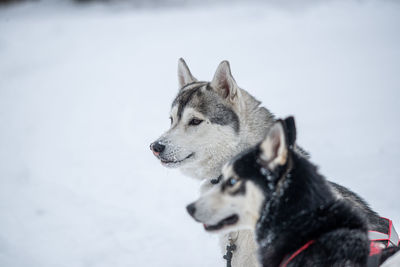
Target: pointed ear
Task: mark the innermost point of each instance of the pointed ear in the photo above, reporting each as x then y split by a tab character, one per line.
291	130
184	75
274	150
224	83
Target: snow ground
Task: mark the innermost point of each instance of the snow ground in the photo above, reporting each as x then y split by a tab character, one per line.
83	92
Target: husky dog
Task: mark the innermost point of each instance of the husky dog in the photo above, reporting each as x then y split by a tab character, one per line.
297	219
210	123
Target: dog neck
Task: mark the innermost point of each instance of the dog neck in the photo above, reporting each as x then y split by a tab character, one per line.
255	120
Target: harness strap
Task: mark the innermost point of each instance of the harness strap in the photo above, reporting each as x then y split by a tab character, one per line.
391	237
230	248
374	257
374	249
297	252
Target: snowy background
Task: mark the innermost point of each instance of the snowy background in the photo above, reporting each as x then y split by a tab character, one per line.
84	90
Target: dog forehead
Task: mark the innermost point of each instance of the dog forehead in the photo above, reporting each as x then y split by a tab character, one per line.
187	113
186	96
203	98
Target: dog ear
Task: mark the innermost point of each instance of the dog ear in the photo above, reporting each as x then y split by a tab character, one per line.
291	130
184	75
274	148
223	81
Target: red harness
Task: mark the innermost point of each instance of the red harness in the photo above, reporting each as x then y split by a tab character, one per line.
375	237
304	247
388	239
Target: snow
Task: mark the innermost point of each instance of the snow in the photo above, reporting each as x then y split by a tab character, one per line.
85	90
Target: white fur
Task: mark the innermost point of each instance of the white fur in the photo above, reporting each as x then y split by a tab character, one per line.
209	143
214	145
214	206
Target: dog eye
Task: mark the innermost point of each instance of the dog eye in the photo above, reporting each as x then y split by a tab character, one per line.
232	181
172	120
195	122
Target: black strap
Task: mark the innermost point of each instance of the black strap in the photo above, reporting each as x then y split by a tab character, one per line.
373	261
229	254
216	180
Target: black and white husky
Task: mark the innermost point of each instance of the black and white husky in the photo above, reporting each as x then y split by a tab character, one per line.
279	194
213	121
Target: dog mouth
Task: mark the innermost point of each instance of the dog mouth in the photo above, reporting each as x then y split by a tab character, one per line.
171	162
231	220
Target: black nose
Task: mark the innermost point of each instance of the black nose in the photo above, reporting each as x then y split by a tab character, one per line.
191	209
157	147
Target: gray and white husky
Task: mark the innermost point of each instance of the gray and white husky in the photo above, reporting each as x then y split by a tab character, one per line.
210	123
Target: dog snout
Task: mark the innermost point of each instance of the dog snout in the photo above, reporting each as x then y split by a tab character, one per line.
191	209
157	148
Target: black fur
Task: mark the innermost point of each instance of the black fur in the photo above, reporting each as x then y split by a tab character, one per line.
300	206
375	222
291	130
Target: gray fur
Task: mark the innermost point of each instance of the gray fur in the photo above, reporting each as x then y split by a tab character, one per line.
185	96
203	98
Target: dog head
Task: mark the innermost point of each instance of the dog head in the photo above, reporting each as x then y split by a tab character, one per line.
204	123
248	182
